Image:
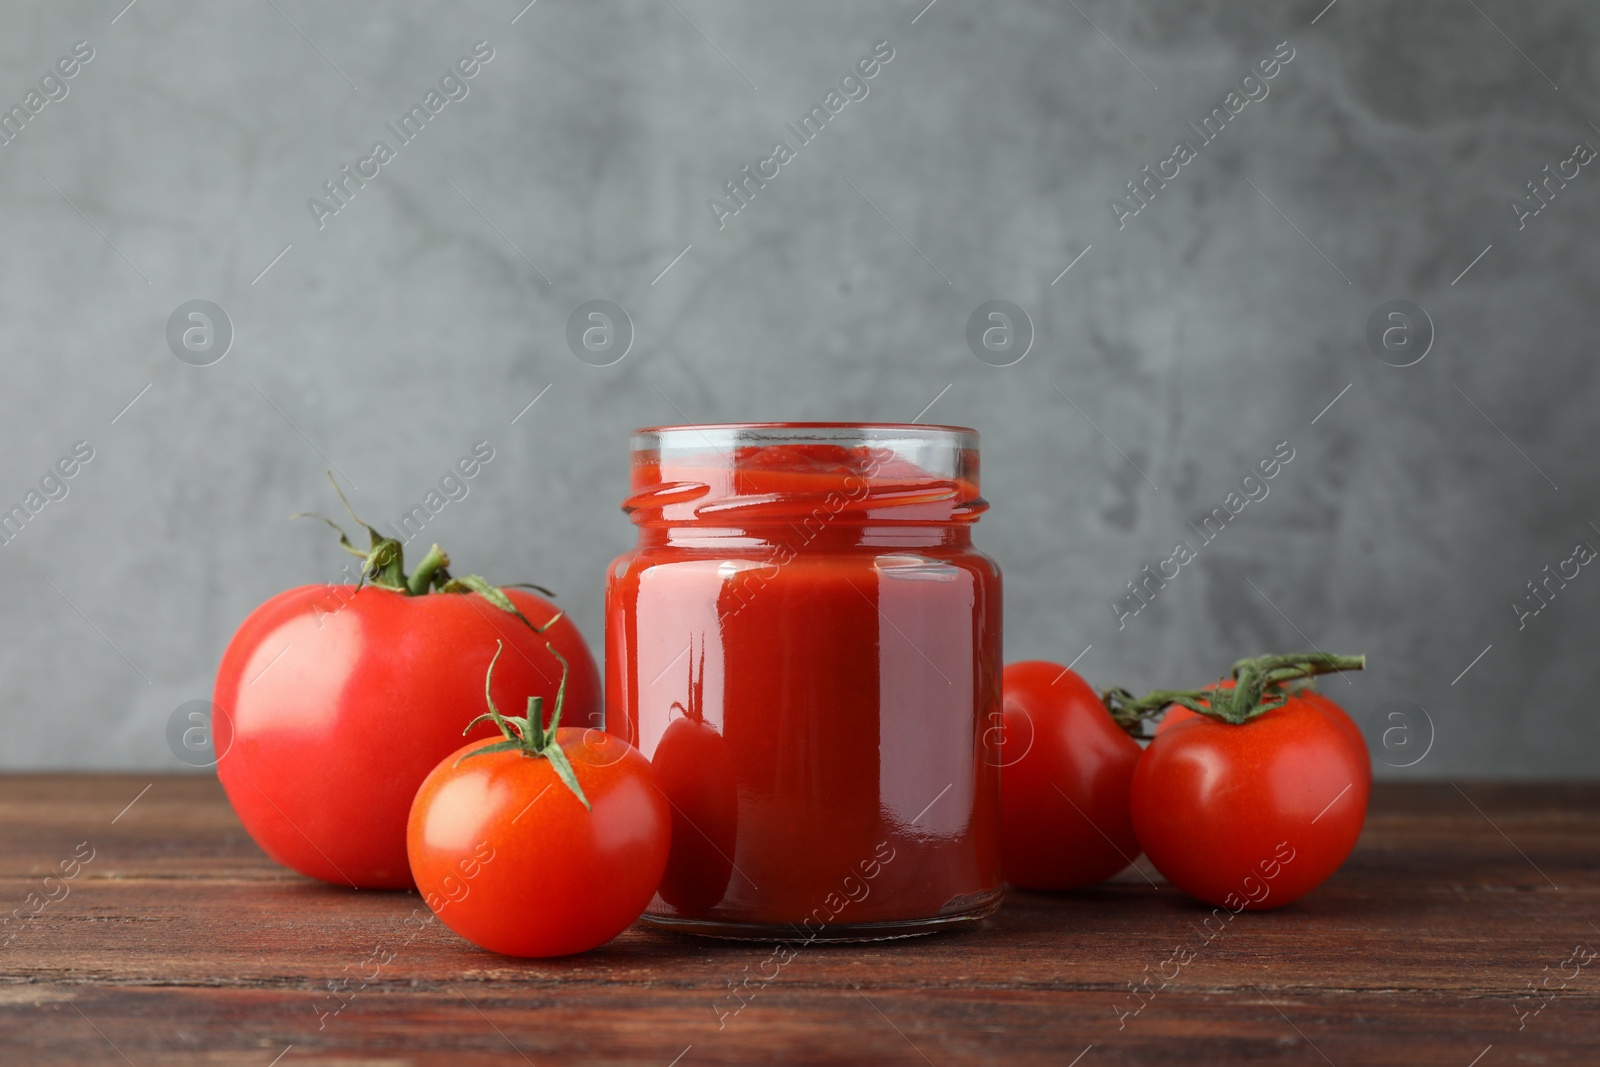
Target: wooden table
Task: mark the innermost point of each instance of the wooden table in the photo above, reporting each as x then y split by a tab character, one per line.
178	942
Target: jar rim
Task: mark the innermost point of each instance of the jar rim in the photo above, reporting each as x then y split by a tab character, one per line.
748	433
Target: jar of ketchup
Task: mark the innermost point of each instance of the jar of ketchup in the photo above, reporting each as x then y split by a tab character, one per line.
806	646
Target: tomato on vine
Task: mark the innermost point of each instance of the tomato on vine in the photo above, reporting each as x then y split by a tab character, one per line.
1176	713
1257	796
1065	772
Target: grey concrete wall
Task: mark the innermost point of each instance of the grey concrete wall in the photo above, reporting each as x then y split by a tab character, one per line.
1184	344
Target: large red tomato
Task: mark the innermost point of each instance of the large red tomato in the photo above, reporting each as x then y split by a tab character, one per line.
1256	814
1065	772
333	704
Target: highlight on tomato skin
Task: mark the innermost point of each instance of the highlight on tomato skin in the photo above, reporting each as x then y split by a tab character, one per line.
1066	769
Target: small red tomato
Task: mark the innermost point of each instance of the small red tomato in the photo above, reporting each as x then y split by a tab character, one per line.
695	772
544	843
1066	767
1252	815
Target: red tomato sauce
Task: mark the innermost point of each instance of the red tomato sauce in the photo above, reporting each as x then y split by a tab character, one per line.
806	646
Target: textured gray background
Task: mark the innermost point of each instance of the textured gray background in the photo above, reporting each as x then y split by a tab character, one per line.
1196	338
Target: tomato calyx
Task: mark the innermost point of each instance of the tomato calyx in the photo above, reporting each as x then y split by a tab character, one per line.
527	733
695	712
1259	687
383	566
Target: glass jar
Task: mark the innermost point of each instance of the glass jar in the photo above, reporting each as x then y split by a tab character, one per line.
806	646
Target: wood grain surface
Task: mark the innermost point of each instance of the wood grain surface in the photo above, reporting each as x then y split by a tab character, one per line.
180	943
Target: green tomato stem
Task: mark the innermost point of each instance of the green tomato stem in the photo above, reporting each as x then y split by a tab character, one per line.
422	578
1258	688
383	565
527	734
